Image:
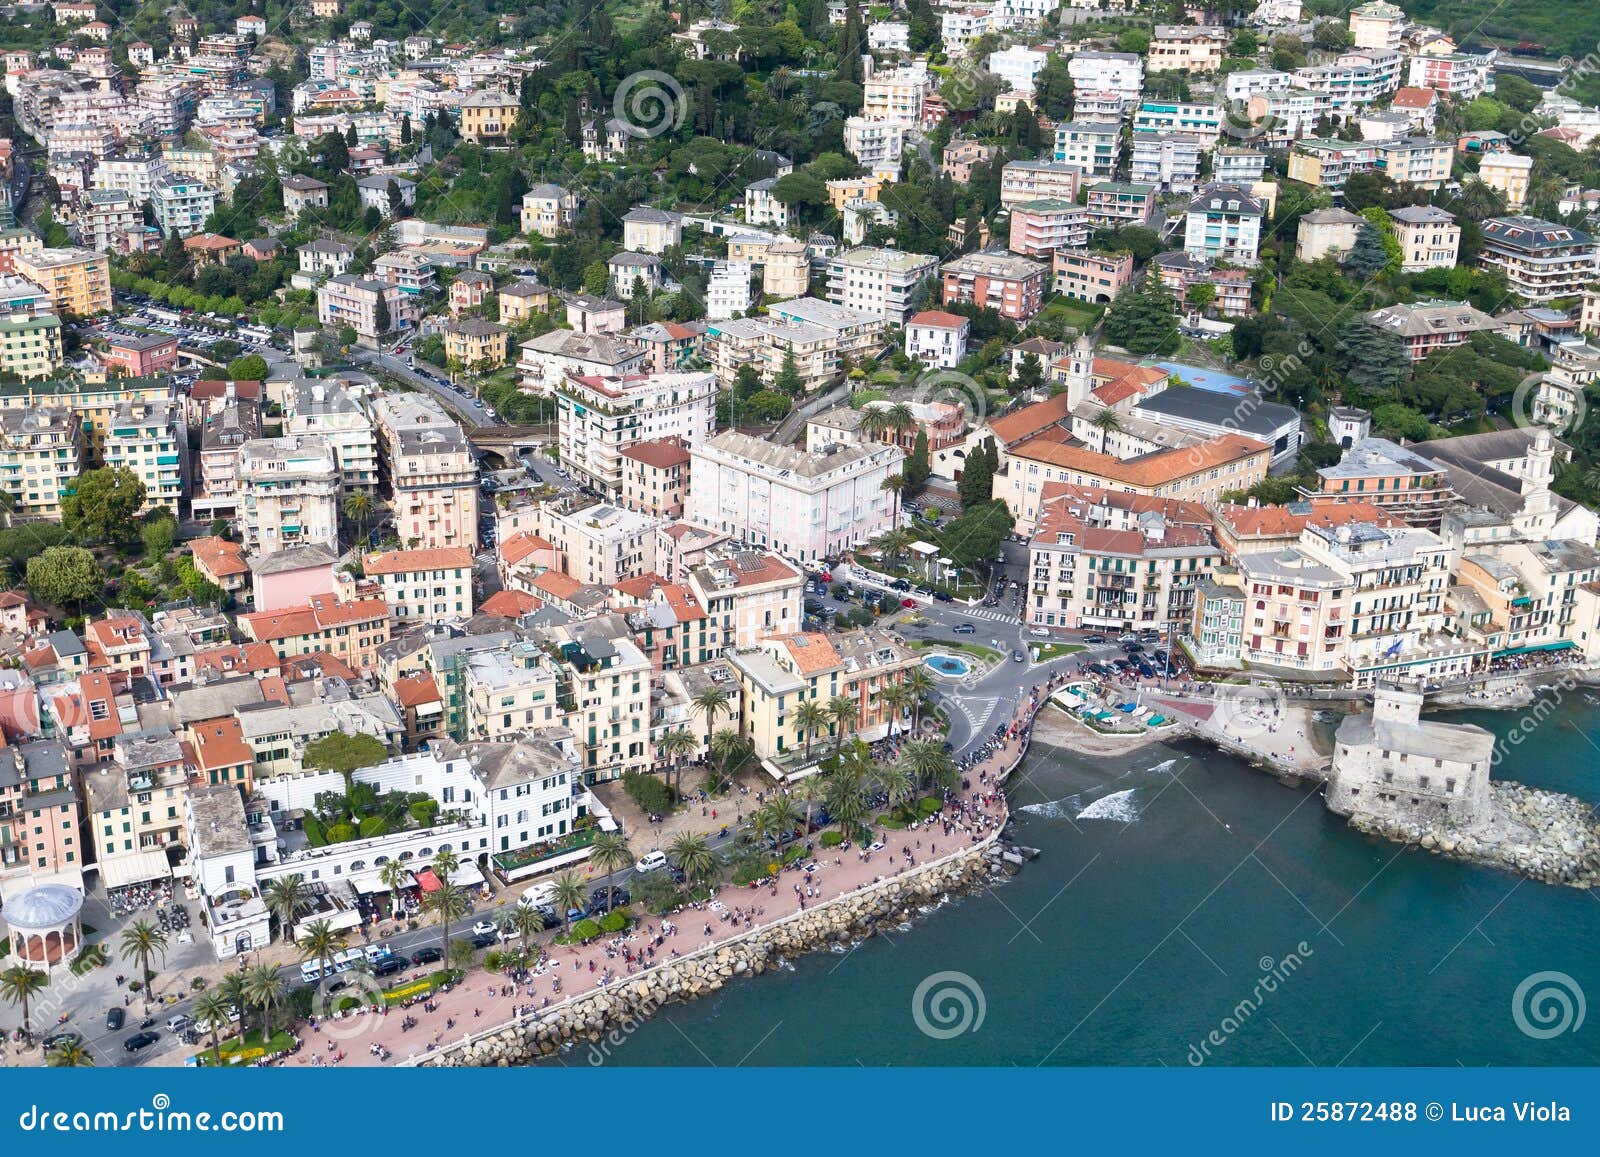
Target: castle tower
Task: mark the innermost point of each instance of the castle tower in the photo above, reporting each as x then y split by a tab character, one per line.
1080	372
1537	518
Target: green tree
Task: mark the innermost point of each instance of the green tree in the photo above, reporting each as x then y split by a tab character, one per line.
676	745
1367	257
212	1009
448	903
69	1054
103	504
975	487
250	368
1143	321
608	853
918	467
690	853
566	893
141	941
287	898
19	984
64	576
321	942
788	380
345	754
809	718
158	536
263	989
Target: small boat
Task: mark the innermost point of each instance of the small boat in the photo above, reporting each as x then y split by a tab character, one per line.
1324	715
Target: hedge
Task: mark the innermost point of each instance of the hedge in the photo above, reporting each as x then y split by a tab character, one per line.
611	922
830	839
586	929
374	826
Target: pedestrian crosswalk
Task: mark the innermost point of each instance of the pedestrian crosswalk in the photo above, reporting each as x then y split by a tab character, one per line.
978	711
993	614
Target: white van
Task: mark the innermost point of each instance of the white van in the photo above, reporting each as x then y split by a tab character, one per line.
536	895
651	862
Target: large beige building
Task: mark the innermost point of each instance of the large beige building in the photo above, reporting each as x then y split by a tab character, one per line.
30	346
601	544
750	595
1112	560
605	696
78	281
423	586
289	490
1429	237
434	477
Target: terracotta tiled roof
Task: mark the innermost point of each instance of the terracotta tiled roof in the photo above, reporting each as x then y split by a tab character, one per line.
1150	471
509	604
661	454
520	545
237	659
557	583
1029	420
416	690
939	318
219	556
267	626
811	652
1280	521
406	561
219	743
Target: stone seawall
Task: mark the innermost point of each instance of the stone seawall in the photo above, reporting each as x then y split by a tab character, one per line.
604	1019
1545	835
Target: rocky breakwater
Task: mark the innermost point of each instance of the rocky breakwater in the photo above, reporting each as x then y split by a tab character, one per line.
1544	835
601	1021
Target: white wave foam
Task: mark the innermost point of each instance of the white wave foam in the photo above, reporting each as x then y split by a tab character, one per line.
1121	807
1054	809
1165	765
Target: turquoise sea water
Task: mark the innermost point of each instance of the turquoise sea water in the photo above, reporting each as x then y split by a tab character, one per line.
1180	895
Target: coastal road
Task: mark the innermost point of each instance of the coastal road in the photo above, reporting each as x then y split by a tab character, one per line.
432	380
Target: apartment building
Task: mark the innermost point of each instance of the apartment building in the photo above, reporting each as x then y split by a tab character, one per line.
487	117
881	282
1429	237
105	217
748	595
1542	261
805	506
548	210
647	230
1088	276
1508	174
817	336
222	438
599	417
289	490
1186	48
423	586
39	802
476	344
1169	161
1224	224
1425	327
1113	204
351	300
1231	288
605	694
897	95
655	477
1089	146
1105	560
1040	228
41	456
181	205
327	410
1421	162
77	281
1377	25
1012	286
600	544
508	692
350	624
1200	121
139	356
875	144
936	338
147	438
1024	181
1460	75
1121	73
30	345
434	476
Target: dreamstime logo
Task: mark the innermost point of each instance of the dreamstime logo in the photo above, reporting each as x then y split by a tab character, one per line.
1237	123
350	1009
291	152
1560	408
1548	1004
948	1004
951	388
1249	711
1274	975
650	103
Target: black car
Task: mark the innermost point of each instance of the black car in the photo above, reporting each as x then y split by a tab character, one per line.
141	1040
1133	648
388	965
900	585
1146	670
483	940
943	597
428	955
115	1018
965	629
1094	638
605	899
57	1039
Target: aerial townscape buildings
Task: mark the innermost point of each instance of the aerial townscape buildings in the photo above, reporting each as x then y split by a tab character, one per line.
417	475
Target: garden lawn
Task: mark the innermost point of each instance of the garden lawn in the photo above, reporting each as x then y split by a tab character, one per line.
245	1050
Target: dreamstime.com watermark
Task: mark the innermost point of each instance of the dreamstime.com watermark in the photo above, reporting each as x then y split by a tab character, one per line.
158	1117
948	1004
1548	1004
1274	974
1533	716
600	1051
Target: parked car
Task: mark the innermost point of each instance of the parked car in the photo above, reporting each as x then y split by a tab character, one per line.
428	955
1018	657
603	899
1094	638
179	1023
1039	632
965	629
56	1039
1133	648
483	928
389	965
482	940
140	1040
943	597
908	602
900	585
115	1018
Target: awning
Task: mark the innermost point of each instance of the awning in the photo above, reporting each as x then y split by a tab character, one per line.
134	868
1558	645
369	882
466	875
427	881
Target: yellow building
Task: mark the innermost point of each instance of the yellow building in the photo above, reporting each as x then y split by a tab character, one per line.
488	116
475	343
94	398
30	347
77	280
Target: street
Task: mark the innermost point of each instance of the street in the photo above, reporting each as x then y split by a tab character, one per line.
470	410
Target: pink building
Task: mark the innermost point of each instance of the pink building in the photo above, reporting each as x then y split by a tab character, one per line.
290	578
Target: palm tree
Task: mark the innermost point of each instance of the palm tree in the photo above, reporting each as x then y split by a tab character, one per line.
897	697
567	892
921	684
286	898
528	924
445	863
896	781
847	796
842	710
894	486
875	421
901	417
69	1054
693	857
320	943
811	792
1107	421
18	985
810	717
393	877
608	853
676	745
140	941
711	702
781	817
728	748
263	988
895	543
357	507
232	990
212	1009
929	763
448	903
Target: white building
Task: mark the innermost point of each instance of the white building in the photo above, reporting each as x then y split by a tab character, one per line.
1224	224
290	493
1018	66
936	338
599	417
874	144
1118	72
728	290
761	207
882	282
807	507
